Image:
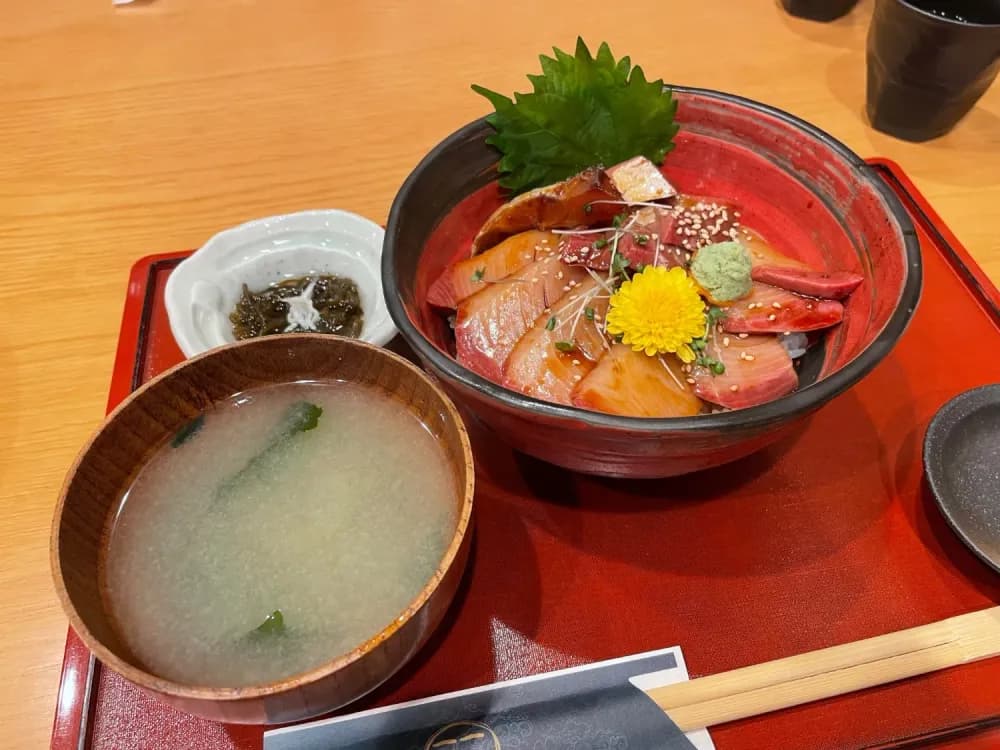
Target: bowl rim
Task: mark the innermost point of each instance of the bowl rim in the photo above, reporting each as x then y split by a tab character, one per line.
149	680
941	427
944	21
799	402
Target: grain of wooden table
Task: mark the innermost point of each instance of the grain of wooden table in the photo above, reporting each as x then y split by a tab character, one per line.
130	130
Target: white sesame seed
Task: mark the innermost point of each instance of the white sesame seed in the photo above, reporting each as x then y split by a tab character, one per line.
749	357
776	305
559	275
809	306
736	214
692	381
734	388
772	316
578	377
566	288
576	362
743	335
534	280
725	341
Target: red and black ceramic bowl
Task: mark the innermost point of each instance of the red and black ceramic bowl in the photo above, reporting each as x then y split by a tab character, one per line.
807	193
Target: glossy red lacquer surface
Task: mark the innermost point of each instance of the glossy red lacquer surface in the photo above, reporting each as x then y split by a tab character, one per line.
826	537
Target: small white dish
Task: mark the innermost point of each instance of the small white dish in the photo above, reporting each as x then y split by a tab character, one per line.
204	288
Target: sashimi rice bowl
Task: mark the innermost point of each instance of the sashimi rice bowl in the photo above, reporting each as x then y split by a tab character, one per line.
630	279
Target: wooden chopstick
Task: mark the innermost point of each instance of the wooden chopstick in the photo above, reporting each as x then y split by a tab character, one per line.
832	671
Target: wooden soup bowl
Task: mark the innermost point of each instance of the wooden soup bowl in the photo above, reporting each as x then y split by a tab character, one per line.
145	420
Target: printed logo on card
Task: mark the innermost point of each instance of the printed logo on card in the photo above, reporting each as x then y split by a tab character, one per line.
463	735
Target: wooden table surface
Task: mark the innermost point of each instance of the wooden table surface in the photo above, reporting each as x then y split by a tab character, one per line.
139	129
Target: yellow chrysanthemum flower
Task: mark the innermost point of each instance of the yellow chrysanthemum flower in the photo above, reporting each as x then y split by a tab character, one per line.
658	312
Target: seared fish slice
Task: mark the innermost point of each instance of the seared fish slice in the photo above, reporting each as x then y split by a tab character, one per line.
565	205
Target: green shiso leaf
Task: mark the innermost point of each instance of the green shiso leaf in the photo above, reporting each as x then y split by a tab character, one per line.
583	111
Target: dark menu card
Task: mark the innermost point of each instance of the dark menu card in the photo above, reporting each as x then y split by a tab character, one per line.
599	706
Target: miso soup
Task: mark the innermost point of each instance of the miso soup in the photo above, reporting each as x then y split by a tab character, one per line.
279	530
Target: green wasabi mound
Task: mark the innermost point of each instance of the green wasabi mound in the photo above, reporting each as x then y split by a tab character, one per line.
722	270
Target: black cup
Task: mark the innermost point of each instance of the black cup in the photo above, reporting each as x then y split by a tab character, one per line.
819	10
929	61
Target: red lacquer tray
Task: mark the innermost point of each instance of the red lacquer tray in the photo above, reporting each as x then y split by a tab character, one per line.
827	537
